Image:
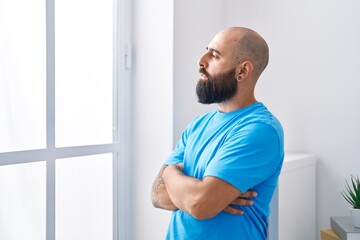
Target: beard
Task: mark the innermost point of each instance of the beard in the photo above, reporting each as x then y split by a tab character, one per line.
217	88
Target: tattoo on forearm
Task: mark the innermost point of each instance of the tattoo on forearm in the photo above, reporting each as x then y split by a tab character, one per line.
155	192
155	189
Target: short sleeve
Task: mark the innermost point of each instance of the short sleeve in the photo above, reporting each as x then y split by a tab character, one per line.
177	156
248	156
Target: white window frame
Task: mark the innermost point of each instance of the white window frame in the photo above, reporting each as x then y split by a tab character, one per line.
120	148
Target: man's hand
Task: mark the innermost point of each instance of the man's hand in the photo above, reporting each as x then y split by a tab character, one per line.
241	200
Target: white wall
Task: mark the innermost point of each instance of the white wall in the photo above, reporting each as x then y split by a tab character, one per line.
195	24
312	84
152	109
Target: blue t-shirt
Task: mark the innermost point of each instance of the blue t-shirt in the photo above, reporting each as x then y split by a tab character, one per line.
244	148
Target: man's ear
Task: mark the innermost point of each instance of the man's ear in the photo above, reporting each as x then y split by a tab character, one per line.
244	70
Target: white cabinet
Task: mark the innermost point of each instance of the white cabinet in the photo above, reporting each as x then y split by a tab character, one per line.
293	205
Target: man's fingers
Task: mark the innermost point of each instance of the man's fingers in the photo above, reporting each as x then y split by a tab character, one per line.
248	194
233	210
243	202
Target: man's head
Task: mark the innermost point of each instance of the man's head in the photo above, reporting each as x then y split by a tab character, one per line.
234	60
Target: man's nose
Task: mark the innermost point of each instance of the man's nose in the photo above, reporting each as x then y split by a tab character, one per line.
202	63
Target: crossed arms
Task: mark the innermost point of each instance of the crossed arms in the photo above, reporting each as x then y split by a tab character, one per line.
202	198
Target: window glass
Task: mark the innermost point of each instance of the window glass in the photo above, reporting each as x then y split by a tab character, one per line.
84	198
83	72
22	201
22	75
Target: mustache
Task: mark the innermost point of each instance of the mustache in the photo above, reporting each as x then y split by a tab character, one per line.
203	71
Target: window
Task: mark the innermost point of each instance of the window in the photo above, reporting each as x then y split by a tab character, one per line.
64	121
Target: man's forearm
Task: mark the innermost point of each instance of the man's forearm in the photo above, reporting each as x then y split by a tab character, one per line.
202	198
159	195
182	189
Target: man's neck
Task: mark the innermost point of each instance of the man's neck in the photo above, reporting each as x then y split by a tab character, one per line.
235	104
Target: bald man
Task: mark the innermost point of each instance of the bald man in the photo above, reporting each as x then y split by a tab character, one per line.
228	156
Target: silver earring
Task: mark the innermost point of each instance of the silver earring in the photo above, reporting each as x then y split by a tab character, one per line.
238	78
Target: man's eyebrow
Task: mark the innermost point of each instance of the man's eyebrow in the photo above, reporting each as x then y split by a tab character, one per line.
213	50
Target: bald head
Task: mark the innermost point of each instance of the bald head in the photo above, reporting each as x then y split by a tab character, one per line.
248	45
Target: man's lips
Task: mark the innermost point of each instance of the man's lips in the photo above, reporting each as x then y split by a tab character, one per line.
203	74
203	77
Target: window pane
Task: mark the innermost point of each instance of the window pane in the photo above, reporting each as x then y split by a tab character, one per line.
22	75
84	198
22	201
84	72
